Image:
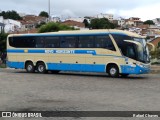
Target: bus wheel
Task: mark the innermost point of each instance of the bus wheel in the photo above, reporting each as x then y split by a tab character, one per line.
30	67
113	71
41	68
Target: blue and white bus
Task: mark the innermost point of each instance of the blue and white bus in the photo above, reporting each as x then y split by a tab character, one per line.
115	52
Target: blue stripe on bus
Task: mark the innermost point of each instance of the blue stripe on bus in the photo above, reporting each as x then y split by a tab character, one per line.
15	51
36	51
125	69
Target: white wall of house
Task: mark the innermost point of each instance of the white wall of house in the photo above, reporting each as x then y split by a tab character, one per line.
14	22
121	22
12	25
1	19
157	21
108	16
130	22
55	19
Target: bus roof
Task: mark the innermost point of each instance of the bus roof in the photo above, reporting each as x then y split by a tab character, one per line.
81	32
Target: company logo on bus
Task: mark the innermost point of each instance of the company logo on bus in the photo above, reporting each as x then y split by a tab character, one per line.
60	51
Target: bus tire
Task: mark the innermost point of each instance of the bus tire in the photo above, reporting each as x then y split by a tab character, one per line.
41	67
113	71
30	67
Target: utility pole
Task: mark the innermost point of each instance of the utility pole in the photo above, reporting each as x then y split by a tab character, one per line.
49	9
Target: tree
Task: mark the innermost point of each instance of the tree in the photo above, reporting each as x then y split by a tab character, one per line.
86	23
39	25
54	27
3	39
44	14
102	23
149	22
10	15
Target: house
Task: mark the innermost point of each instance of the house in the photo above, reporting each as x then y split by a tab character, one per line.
108	16
80	19
55	19
133	21
75	24
156	42
157	21
121	22
28	31
10	25
31	21
136	21
144	29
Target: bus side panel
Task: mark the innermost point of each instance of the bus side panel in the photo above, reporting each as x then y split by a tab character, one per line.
76	67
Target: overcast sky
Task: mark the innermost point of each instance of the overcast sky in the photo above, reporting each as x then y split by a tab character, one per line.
145	9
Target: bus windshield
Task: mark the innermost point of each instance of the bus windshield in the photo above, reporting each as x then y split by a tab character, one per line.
143	54
132	50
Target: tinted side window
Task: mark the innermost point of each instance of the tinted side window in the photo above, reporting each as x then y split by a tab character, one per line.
22	42
40	42
104	42
52	42
68	42
86	42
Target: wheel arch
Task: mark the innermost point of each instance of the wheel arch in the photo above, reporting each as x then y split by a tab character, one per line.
28	61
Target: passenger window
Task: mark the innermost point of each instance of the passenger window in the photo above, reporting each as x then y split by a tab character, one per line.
40	43
104	42
86	42
52	42
68	42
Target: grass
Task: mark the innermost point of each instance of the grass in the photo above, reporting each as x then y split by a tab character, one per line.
2	65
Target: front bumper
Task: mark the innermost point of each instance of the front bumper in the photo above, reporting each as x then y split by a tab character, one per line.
137	69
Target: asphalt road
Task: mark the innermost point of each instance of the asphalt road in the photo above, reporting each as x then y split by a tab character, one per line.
21	91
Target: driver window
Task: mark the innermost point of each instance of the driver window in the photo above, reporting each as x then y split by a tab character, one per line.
130	52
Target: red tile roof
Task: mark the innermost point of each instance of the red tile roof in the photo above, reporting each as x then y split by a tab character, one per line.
73	23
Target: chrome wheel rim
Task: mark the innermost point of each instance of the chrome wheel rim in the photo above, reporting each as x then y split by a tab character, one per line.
40	68
30	67
113	71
